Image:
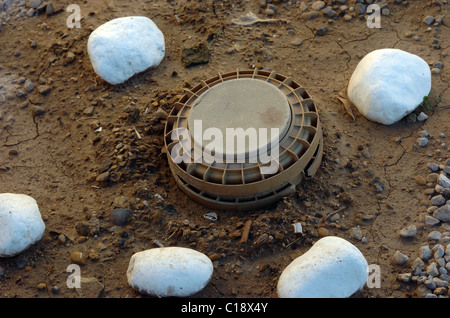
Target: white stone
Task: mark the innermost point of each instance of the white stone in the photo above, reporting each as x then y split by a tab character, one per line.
123	47
169	271
389	84
331	268
21	224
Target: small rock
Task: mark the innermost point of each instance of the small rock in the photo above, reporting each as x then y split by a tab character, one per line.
29	86
432	269
437	200
356	233
347	17
322	231
408	231
428	20
435	236
78	258
119	216
49	10
361	8
435	71
431	221
90	288
422	116
399	258
405	277
442	213
34	3
44	89
366	153
37	111
321	31
422	141
317	5
420	180
438	251
104	177
328	11
425	252
424	133
297	42
444	181
309	15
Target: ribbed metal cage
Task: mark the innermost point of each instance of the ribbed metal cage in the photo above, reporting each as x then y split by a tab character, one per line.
243	186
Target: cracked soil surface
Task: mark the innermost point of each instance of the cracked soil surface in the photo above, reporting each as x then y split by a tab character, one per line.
51	147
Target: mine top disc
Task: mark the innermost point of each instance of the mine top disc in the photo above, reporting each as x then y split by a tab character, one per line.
251	116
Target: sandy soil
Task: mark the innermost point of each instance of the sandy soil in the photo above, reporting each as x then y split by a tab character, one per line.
51	149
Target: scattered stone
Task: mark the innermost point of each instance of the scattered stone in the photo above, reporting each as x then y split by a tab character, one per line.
408	231
137	44
90	288
420	180
425	252
78	258
428	20
422	116
347	17
195	55
329	12
375	88
29	86
313	274
119	216
438	251
317	5
37	111
169	271
310	15
405	277
356	233
442	213
34	3
431	221
437	200
44	89
435	236
297	42
321	31
49	9
103	177
322	231
361	8
399	258
366	153
21	224
432	269
444	181
422	141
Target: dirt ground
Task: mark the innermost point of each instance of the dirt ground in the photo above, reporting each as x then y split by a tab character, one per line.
52	149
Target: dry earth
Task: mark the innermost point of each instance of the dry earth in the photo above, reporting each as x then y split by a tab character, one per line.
51	147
